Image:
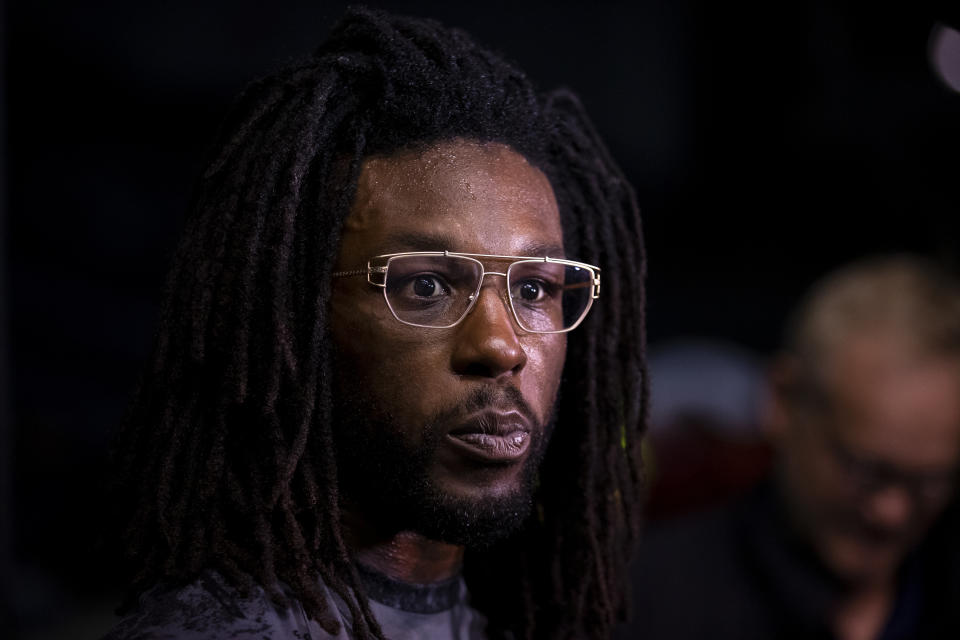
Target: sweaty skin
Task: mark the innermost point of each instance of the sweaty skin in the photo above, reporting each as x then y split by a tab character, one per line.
460	196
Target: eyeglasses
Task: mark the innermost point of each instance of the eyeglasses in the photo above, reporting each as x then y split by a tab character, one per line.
871	476
437	289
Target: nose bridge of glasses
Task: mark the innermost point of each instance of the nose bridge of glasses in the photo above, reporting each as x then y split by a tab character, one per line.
501	293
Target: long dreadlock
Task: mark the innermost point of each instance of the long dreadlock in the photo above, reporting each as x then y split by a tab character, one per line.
227	453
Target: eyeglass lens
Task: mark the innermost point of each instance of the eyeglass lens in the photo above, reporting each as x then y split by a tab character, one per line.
437	291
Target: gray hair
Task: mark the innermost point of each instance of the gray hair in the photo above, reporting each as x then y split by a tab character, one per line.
905	297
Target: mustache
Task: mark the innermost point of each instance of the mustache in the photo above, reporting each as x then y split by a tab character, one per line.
484	399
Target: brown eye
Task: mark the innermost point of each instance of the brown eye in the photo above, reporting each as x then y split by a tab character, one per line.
530	291
426	286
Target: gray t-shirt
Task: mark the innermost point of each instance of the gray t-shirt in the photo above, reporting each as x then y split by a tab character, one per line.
211	609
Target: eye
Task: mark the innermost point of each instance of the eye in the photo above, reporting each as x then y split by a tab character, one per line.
531	290
426	286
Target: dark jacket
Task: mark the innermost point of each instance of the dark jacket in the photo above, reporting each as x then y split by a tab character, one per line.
739	572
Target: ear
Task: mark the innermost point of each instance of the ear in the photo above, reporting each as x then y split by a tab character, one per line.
775	412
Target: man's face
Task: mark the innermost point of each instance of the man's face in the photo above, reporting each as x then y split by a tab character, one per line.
412	401
867	473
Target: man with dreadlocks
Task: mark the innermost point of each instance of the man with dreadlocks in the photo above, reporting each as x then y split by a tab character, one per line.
376	387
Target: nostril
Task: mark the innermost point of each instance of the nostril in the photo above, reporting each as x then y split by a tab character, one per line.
477	369
489	368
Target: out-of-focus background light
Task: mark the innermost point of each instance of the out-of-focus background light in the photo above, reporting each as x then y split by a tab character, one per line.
945	55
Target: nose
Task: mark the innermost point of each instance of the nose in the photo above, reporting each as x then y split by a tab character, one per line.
486	340
890	507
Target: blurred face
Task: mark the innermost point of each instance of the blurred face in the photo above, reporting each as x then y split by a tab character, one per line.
867	473
441	430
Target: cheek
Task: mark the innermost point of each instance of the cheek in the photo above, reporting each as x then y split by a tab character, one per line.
358	314
414	380
813	482
386	364
833	492
541	376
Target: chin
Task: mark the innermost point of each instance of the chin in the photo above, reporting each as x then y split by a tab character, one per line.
475	515
483	483
476	525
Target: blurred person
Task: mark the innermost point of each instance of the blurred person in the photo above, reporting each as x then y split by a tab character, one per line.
841	540
347	429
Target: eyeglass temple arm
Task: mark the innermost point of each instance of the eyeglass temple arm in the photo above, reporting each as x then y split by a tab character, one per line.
369	272
581	285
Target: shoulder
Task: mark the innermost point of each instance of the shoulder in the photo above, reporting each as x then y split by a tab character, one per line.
210	608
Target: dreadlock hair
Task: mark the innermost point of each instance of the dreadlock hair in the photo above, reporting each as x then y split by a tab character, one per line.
226	456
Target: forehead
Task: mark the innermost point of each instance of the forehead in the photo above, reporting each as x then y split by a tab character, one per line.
460	195
897	405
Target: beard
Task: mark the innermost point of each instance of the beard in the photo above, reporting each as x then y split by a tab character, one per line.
386	476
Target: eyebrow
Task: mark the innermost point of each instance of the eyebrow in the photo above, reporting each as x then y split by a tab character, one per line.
425	241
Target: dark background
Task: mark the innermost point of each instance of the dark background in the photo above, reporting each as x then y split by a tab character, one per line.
768	143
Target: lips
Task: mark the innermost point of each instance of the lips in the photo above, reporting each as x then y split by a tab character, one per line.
492	437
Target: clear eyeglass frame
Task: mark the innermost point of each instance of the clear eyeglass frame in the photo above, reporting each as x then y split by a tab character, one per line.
376	273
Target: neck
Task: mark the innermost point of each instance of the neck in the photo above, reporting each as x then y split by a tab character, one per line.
402	555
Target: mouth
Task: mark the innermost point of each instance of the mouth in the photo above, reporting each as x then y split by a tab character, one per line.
492	437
